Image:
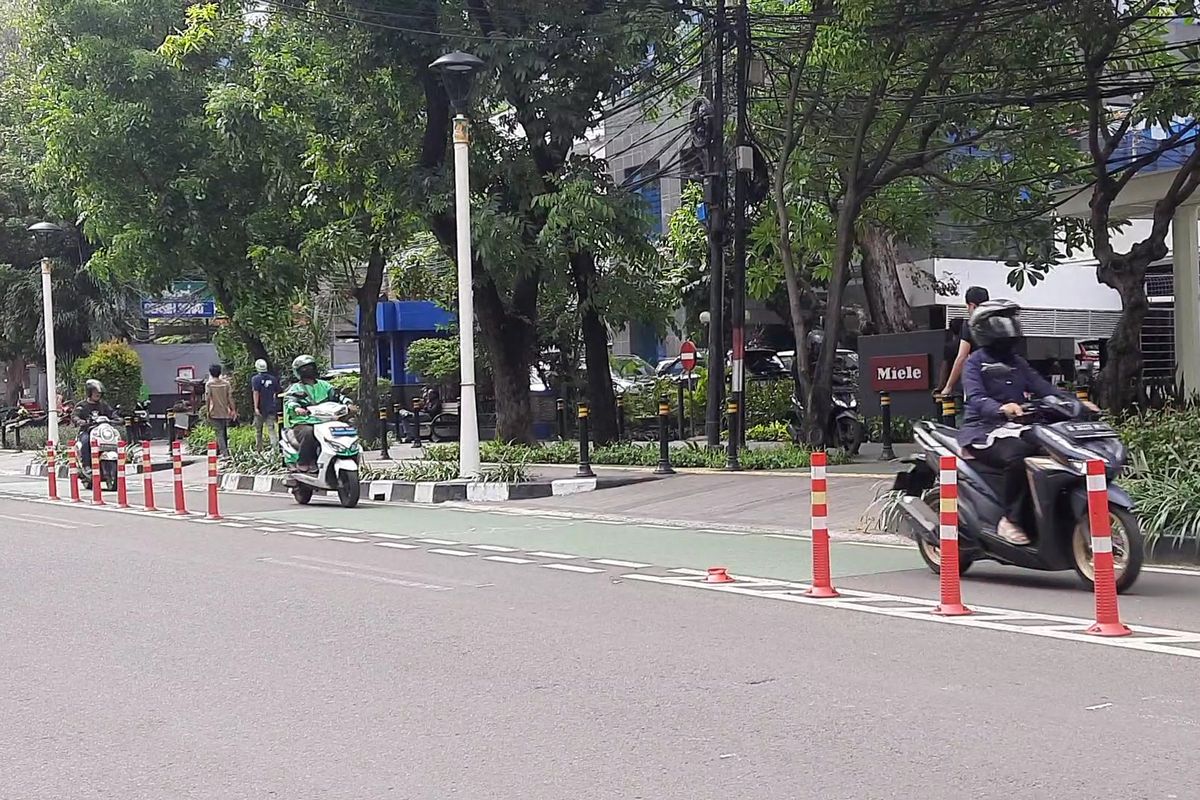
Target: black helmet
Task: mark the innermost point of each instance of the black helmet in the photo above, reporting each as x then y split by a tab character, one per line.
996	322
93	385
304	367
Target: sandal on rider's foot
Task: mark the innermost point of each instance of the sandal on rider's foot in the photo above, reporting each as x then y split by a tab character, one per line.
1012	533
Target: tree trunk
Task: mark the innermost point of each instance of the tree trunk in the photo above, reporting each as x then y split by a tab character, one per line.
886	303
602	416
367	296
511	339
820	397
1118	381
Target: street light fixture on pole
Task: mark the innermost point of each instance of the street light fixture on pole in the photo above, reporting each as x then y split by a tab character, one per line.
458	70
45	233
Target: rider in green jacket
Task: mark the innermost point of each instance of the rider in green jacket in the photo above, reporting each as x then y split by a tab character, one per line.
308	390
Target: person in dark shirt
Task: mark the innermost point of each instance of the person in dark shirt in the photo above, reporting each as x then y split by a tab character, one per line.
997	381
265	388
975	296
93	406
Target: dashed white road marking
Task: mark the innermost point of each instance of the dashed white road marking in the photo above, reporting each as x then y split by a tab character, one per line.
397	545
39	522
615	562
366	576
545	554
387	535
570	568
509	560
305	534
351	539
305	525
686	571
345	531
437	541
442	551
269	530
493	548
233	525
1173	571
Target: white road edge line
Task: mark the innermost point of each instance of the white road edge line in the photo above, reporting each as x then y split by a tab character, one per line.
493	548
509	560
546	554
571	568
397	545
615	562
442	551
351	539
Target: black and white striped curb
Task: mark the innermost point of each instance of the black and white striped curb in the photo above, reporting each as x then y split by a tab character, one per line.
441	492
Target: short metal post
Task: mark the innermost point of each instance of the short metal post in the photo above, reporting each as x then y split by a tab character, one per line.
560	413
620	417
664	436
731	462
885	408
949	413
17	435
416	403
383	431
1081	392
682	414
585	458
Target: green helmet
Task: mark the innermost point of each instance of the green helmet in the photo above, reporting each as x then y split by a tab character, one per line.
301	362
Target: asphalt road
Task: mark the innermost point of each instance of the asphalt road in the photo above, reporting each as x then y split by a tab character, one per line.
148	657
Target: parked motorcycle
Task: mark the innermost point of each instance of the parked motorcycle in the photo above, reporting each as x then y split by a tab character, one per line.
106	440
844	427
1056	520
137	422
338	456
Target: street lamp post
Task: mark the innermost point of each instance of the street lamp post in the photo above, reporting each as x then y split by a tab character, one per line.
457	70
45	232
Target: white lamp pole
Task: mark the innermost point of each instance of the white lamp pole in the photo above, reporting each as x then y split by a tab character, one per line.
468	451
51	361
457	70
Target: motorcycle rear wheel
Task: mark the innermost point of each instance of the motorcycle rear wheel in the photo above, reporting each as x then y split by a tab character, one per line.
303	494
1129	549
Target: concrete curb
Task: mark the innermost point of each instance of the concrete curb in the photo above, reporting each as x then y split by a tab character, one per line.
40	470
442	492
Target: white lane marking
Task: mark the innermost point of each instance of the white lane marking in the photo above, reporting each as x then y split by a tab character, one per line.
345	531
614	562
351	539
724	532
544	554
233	525
686	571
60	521
39	522
397	545
508	560
1098	707
305	525
437	541
1153	640
441	551
359	575
305	534
570	568
386	535
269	530
1174	571
493	548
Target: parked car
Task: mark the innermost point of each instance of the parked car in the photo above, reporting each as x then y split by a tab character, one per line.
762	364
672	368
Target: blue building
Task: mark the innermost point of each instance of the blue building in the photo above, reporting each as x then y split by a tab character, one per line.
400	323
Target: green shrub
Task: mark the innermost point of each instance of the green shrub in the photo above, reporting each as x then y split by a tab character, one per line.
348	385
241	439
1164	446
251	462
116	365
768	401
771	432
435	360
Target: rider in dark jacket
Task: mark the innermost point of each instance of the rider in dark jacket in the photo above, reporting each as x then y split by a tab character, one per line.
93	406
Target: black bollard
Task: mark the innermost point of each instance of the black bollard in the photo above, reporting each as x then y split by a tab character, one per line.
620	418
585	459
397	422
682	414
664	437
383	431
885	407
1081	393
560	413
949	412
17	435
731	462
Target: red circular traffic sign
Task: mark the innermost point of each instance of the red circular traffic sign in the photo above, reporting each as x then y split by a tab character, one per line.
687	356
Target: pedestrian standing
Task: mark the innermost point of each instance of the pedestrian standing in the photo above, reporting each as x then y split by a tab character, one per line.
265	387
222	412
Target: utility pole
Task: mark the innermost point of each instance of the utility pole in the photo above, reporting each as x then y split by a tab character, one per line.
714	197
744	164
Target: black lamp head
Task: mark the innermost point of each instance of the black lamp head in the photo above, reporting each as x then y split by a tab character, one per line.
458	70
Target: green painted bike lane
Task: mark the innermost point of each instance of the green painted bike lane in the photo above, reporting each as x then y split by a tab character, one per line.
670	547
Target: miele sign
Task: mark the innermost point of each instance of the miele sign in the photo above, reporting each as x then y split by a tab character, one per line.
907	373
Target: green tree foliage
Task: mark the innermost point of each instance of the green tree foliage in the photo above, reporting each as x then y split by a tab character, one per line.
116	365
435	360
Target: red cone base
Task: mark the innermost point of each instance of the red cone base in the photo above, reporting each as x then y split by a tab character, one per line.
822	591
1109	629
718	575
955	610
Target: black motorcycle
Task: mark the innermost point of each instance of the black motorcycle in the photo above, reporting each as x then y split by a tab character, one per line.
844	427
1057	520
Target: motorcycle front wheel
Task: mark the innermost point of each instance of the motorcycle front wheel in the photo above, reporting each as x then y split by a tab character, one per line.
931	554
108	473
1128	545
349	489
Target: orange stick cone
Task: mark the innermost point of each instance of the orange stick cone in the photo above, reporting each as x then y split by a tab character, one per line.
147	478
822	580
97	483
177	468
122	487
73	473
1104	579
213	513
51	471
951	605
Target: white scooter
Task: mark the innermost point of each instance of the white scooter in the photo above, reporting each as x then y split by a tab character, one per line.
106	440
338	457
